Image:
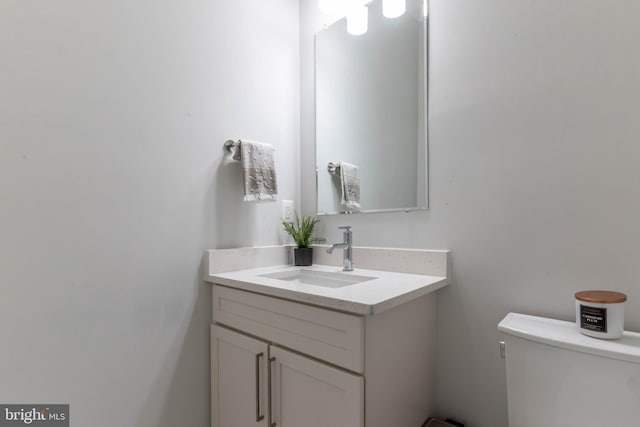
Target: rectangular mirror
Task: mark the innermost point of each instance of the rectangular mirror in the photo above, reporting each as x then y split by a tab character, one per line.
371	111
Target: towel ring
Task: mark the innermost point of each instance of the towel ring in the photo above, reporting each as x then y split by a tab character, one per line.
333	168
230	146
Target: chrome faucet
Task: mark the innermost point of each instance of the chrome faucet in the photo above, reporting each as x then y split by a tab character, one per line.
346	245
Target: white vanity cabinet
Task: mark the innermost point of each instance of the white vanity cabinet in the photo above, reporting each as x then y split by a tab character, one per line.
239	380
257	384
280	363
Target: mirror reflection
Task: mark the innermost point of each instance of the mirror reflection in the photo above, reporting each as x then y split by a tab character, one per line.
371	152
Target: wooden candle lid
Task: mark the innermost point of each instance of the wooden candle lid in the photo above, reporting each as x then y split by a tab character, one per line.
601	297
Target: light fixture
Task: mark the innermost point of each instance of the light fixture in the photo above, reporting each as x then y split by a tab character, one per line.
425	7
393	8
358	20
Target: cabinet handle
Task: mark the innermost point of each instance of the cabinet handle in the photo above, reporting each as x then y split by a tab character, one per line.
269	379
258	416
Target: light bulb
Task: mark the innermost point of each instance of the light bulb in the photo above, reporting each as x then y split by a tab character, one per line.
358	20
393	8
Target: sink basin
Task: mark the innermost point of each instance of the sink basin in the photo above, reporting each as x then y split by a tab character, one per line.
318	278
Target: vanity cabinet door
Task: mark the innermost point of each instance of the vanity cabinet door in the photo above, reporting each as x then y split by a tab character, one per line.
239	379
307	393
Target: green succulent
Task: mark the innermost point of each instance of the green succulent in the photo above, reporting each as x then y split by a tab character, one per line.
302	231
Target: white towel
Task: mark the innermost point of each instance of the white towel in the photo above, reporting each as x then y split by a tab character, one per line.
258	169
350	183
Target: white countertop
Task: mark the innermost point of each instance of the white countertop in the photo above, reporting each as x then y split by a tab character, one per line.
386	290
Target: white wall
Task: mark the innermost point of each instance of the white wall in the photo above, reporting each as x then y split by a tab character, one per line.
534	175
113	182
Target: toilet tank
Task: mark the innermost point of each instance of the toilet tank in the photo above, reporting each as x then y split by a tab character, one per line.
557	377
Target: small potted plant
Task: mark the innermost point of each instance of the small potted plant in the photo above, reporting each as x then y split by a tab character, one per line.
302	233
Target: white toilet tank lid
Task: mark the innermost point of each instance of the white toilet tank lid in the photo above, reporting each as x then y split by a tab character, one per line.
559	333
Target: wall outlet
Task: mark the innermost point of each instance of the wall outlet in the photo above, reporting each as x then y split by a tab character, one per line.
288	211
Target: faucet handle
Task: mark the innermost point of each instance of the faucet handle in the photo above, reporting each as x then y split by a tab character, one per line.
345	227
